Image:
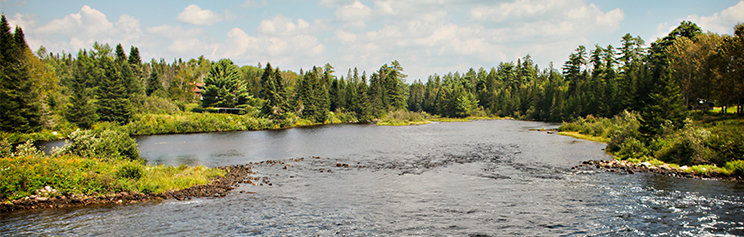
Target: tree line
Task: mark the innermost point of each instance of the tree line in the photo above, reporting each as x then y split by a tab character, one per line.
105	84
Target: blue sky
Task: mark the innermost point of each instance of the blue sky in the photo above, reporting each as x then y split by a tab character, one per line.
425	36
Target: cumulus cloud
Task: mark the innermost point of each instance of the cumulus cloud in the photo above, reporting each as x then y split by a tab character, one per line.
80	30
720	22
194	15
24	21
280	25
570	17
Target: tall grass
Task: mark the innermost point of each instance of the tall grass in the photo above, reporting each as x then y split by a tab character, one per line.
25	175
90	163
404	118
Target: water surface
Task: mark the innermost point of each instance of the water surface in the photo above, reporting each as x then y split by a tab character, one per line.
487	178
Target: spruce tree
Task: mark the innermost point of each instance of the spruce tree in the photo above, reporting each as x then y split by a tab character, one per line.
81	111
113	100
223	87
665	104
153	82
20	108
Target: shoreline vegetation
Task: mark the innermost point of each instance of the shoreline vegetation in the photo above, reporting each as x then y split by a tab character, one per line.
709	146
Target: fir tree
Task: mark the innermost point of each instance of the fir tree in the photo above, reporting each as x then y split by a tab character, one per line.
153	82
113	103
20	108
222	86
665	104
81	111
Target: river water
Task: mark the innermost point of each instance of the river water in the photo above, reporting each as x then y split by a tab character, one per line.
482	178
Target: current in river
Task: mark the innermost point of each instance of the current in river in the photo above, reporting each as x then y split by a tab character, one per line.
481	178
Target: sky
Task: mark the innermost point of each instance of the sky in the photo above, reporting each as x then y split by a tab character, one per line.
425	36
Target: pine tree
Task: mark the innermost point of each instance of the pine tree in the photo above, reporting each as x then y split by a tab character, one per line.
113	103
312	97
121	56
665	104
222	86
274	94
81	111
20	108
153	82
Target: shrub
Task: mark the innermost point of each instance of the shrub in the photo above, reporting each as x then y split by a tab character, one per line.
131	170
685	147
726	143
109	144
632	148
735	167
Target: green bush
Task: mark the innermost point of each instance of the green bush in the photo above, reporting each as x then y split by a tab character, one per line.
632	148
132	171
736	167
109	144
684	147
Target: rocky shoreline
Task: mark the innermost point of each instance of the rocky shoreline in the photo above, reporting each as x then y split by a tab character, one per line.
626	167
236	174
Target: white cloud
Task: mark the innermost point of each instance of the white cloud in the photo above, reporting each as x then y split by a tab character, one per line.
280	25
385	7
353	12
193	14
254	3
335	3
345	37
80	30
722	22
24	21
572	17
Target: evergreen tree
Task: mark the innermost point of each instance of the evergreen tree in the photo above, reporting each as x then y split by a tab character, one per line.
20	108
273	90
153	82
113	100
666	104
81	111
267	82
135	62
222	86
312	97
121	56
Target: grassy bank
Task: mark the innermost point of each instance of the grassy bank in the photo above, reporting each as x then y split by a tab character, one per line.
91	164
583	136
70	174
404	118
707	143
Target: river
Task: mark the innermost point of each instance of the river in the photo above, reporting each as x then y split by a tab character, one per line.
482	178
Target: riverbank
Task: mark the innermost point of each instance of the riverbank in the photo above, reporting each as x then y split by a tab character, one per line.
710	146
628	167
217	187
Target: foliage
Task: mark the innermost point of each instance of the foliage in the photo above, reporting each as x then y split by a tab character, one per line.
111	144
23	175
222	87
736	167
404	118
20	107
148	124
717	142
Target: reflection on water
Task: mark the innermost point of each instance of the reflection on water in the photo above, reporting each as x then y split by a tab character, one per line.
488	178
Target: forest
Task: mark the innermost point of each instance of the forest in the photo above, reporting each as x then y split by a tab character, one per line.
45	93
